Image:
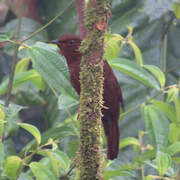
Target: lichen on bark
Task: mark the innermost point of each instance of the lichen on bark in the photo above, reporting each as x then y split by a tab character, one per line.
91	97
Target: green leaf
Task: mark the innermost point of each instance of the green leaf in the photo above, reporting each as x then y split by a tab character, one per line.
163	161
54	161
176	7
18	79
157	126
41	172
22	65
177	107
135	71
157	73
137	53
166	108
56	133
2	121
53	68
4	36
114	173
174	133
173	149
111	47
66	102
128	141
2	154
33	130
172	94
12	166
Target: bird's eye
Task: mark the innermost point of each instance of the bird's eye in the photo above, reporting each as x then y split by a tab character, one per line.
70	42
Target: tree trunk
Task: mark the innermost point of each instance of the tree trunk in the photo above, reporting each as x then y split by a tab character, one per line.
91	97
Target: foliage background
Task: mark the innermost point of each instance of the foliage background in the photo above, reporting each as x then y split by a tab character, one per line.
151	21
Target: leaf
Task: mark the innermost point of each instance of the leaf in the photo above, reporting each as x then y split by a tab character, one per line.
41	172
62	158
111	47
166	108
114	173
176	7
4	36
2	154
54	133
157	126
128	141
52	67
137	53
173	149
33	130
177	107
2	121
54	161
174	133
11	166
172	94
135	71
157	73
163	161
66	102
18	79
22	65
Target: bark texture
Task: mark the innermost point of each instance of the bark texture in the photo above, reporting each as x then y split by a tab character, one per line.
91	97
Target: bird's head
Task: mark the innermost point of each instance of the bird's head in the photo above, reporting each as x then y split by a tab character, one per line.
69	46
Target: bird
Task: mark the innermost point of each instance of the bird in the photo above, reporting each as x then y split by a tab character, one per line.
68	45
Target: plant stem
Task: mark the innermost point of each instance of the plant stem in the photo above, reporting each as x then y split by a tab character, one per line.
50	22
11	78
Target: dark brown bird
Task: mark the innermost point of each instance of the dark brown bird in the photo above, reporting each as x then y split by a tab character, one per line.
112	96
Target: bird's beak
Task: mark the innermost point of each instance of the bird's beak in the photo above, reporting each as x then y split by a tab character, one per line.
54	41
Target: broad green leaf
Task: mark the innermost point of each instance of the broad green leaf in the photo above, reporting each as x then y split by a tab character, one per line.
2	154
41	172
11	116
166	108
4	36
12	166
177	107
18	79
173	149
56	133
22	65
172	94
2	121
176	7
128	141
53	160
135	71
62	158
115	173
111	47
163	161
137	53
52	67
174	133
66	102
157	73
157	126
33	130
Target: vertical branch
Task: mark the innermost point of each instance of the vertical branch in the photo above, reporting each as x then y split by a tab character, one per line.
80	6
91	97
11	77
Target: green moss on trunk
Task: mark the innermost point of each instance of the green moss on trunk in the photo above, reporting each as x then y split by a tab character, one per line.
91	97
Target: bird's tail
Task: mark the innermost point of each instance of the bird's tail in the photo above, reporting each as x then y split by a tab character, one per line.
112	133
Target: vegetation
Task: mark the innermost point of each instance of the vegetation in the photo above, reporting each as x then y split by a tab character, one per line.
142	46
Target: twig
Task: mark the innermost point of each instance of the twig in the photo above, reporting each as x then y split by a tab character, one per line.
15	55
50	22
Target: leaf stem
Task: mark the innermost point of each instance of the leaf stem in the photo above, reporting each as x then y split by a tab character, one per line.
50	22
15	55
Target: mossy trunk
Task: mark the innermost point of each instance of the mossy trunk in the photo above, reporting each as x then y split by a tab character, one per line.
91	97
